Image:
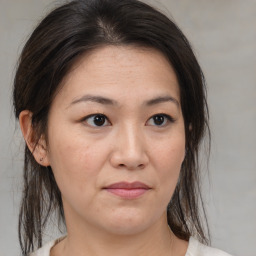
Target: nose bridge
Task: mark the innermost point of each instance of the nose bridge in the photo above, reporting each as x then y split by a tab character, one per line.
130	147
131	139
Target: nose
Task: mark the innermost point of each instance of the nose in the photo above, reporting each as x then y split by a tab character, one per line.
129	151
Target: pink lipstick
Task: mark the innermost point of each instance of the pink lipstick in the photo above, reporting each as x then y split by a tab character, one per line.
128	190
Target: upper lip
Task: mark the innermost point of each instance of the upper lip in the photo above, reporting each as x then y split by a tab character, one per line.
128	185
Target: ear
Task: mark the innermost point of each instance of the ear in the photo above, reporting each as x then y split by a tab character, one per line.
37	148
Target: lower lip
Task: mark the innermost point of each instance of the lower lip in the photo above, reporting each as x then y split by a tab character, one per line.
127	193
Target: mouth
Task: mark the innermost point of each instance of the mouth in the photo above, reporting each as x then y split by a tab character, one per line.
128	190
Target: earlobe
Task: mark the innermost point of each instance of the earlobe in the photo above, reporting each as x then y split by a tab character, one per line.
37	147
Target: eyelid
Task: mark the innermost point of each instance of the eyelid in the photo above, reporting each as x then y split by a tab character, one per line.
93	115
169	118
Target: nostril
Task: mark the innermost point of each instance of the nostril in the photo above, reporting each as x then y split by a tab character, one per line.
140	166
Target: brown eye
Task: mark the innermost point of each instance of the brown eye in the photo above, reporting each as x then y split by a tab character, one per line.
97	120
160	120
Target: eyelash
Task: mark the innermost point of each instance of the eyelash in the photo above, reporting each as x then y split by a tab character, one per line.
167	119
96	115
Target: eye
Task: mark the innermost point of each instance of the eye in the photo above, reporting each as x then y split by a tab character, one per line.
160	120
97	120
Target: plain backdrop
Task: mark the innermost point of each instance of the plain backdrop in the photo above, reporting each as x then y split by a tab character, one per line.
223	35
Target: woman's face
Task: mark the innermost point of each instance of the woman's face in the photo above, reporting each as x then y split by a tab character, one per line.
116	139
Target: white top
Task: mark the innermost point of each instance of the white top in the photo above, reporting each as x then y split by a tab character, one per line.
194	249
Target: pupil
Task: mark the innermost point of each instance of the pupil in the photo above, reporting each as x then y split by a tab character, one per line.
158	120
99	120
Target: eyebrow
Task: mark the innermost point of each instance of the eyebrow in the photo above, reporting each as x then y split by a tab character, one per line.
94	98
162	99
107	101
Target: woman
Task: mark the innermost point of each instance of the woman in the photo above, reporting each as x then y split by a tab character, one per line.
111	103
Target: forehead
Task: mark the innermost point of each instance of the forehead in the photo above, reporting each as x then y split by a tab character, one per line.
121	70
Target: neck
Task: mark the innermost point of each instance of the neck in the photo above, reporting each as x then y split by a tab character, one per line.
154	241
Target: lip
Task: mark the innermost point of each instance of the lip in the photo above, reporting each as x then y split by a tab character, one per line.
128	190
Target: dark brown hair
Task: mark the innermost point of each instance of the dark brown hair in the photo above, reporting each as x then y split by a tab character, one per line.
58	41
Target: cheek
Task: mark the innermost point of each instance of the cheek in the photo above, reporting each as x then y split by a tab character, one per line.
75	161
76	167
73	149
170	156
170	153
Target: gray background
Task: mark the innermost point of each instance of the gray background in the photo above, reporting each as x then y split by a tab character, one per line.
223	35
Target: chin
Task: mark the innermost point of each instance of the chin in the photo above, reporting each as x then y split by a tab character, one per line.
129	222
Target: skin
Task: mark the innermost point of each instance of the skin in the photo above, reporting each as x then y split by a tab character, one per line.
130	146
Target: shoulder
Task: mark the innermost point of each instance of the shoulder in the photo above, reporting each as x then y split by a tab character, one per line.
195	248
45	250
